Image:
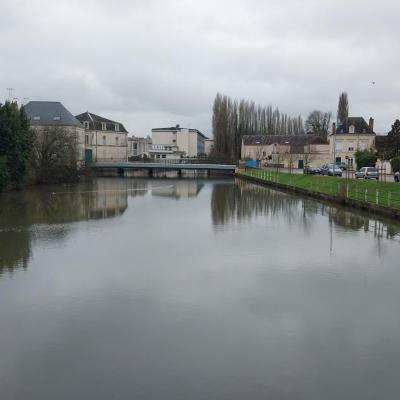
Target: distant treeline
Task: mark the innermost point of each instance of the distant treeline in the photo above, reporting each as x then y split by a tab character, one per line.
232	119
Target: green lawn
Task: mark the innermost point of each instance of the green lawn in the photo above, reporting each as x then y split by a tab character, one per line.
372	191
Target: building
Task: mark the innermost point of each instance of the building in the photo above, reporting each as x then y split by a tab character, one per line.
44	115
105	140
355	134
286	151
138	147
176	142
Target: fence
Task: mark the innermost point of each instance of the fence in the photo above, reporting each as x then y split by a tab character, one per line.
372	192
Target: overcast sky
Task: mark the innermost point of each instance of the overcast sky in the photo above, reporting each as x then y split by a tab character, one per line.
156	63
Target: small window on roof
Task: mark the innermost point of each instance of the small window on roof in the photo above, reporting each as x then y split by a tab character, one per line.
352	129
86	124
57	118
103	126
36	118
116	127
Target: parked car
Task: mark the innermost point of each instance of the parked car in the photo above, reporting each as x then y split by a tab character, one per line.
341	165
331	170
310	170
397	176
367	173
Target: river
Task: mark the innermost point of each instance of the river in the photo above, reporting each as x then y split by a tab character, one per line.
194	289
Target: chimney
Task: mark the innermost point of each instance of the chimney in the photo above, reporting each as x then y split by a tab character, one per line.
371	124
334	128
177	126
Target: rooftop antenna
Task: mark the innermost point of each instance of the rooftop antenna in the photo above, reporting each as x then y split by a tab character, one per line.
10	92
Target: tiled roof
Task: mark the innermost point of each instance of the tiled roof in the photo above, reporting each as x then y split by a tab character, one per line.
293	140
359	123
95	122
49	113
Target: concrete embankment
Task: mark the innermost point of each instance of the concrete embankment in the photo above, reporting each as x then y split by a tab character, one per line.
337	199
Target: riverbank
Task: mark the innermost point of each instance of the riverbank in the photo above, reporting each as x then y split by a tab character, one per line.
375	196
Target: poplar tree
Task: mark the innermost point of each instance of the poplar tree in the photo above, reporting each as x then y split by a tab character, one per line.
343	109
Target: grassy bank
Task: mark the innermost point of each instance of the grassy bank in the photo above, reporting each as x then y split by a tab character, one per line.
386	194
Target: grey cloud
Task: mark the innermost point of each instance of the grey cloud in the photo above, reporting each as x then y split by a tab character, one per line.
153	63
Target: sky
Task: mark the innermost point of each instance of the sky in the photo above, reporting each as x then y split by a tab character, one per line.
156	63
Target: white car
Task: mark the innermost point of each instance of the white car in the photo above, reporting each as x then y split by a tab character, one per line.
367	173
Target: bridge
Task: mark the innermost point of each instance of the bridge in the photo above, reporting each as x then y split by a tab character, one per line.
150	167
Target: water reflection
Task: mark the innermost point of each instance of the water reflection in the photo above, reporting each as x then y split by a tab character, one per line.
179	188
246	201
47	213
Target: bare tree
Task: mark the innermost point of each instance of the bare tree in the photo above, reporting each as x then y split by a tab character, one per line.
54	155
318	122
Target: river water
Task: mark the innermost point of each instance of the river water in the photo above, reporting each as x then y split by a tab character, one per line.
194	289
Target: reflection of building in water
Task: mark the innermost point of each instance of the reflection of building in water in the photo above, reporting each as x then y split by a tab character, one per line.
27	215
178	189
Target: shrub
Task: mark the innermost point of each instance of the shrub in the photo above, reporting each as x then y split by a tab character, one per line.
395	163
365	158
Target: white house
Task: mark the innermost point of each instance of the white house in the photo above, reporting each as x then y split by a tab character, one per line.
176	142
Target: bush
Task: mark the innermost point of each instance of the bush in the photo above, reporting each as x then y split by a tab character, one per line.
365	158
395	163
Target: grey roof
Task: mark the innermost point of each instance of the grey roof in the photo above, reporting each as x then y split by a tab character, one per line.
49	113
178	128
95	122
359	123
293	140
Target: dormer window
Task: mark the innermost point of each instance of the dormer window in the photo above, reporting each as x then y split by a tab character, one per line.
351	129
86	124
103	126
56	118
116	127
36	118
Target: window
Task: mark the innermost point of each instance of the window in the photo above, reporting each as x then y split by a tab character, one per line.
103	126
116	127
86	124
104	140
36	118
173	140
351	129
338	146
56	118
351	146
158	155
86	139
163	156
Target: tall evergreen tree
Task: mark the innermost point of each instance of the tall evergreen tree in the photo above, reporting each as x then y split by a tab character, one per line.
15	143
343	108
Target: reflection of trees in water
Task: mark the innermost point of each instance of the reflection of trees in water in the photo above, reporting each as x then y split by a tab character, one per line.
45	213
244	200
